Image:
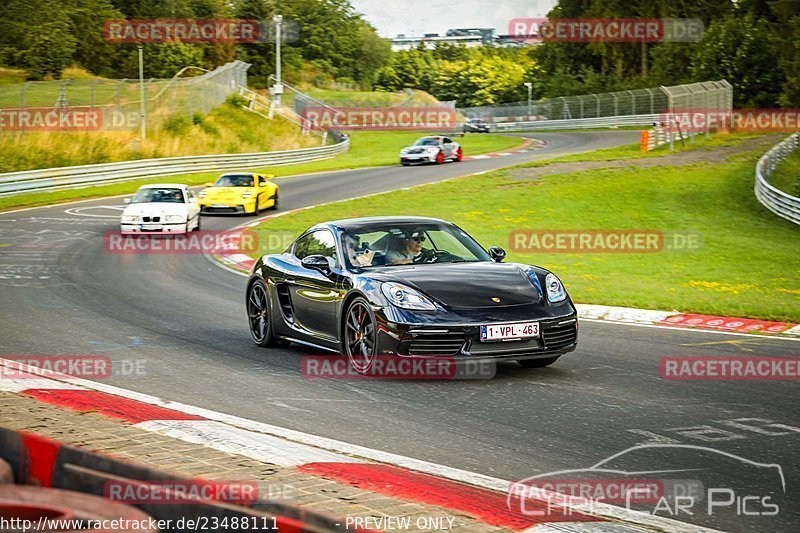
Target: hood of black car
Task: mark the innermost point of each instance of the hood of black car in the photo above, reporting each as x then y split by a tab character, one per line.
483	284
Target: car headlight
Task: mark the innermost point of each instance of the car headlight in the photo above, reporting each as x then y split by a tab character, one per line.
174	218
535	280
555	290
404	151
129	219
406	297
202	194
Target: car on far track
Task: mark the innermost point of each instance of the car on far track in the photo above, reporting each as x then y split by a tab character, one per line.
408	287
161	208
431	149
240	192
476	125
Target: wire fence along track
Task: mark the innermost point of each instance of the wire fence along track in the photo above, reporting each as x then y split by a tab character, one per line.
89	175
119	100
777	201
622	108
603	122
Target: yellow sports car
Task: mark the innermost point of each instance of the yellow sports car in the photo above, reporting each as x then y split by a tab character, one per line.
239	193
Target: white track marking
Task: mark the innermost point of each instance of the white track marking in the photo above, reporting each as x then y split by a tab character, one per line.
78	211
230	439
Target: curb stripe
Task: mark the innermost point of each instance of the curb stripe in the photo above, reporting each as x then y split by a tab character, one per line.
487	506
114	406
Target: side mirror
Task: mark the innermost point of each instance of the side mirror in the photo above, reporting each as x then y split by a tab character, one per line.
126	201
262	183
316	262
497	254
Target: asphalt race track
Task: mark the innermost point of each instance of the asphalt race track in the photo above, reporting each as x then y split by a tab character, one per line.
185	318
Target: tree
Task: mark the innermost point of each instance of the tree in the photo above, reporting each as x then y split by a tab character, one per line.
742	50
40	37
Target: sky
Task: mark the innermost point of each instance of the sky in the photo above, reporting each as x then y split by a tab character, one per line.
414	17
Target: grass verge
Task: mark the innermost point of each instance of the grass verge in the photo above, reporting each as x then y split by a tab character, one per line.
747	265
786	176
367	149
227	129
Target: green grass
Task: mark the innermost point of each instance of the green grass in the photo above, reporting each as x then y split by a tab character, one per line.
11	76
634	151
367	149
786	176
374	98
747	265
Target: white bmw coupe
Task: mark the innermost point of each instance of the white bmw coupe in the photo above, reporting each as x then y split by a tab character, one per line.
161	208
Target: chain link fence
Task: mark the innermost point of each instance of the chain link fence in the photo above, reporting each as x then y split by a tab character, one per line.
118	101
716	95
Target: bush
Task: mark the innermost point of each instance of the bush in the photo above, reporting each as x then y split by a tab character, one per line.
237	100
177	124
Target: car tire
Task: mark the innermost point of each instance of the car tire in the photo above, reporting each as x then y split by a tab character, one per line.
538	363
276	202
459	155
440	158
197	226
359	318
258	319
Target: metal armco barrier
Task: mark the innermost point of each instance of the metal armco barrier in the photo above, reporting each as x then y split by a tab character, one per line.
782	204
569	124
86	175
42	462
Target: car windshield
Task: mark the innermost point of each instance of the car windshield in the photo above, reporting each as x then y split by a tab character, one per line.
158	195
235	180
385	245
427	141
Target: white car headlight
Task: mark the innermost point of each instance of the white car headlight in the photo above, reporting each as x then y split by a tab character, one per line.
202	194
174	218
406	297
555	290
129	219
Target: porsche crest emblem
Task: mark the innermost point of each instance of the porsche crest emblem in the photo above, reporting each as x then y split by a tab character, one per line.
495	299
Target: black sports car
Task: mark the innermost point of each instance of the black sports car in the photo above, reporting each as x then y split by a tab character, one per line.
408	287
476	125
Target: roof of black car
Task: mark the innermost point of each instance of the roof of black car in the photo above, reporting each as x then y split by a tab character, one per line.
348	223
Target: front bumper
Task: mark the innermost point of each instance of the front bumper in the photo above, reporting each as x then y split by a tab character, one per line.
221	207
558	334
157	228
411	159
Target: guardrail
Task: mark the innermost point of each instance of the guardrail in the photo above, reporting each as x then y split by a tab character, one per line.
782	204
578	123
86	175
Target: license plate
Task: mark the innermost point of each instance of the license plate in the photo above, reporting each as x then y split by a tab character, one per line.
498	332
150	227
220	205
